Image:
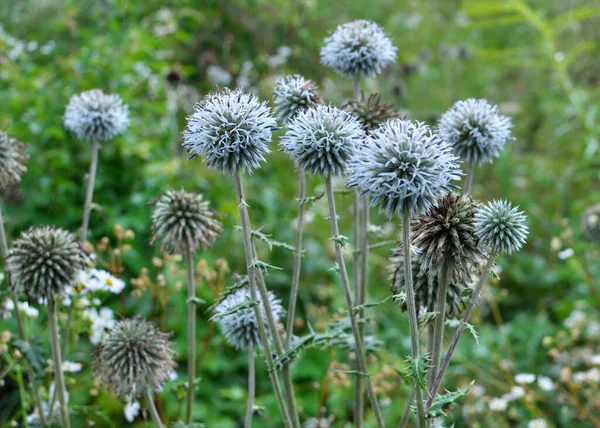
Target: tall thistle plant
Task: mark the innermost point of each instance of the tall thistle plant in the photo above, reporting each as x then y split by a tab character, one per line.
184	223
404	167
356	50
230	131
42	263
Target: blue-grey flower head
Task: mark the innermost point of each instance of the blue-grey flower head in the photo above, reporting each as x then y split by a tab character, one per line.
240	327
230	130
321	140
12	160
476	130
501	227
590	223
404	167
358	48
292	95
94	115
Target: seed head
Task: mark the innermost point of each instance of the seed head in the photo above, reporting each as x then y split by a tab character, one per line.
94	115
501	227
358	48
476	130
294	94
133	356
590	223
183	221
321	140
371	112
12	160
241	328
403	167
44	261
230	130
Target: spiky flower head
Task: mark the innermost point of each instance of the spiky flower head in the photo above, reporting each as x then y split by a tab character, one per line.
445	237
293	94
94	115
501	227
183	221
12	160
240	327
230	129
322	140
371	111
404	167
358	48
44	261
476	130
590	223
133	356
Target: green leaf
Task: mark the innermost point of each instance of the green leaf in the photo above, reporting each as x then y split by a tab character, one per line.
399	299
241	283
263	266
33	353
242	306
470	328
427	318
564	20
310	199
370	305
418	368
341	240
442	403
354	373
272	243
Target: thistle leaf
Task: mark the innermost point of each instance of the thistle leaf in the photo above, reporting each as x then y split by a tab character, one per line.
427	318
245	305
442	403
341	240
310	199
271	242
418	370
370	305
263	266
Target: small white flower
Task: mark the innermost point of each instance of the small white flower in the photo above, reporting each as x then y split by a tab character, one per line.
132	409
515	393
579	377
545	383
524	378
576	317
173	375
593	375
71	367
566	253
498	404
595	359
29	311
537	423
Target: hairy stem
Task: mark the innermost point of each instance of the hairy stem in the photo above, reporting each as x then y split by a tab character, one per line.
438	329
360	351
89	194
251	388
469	177
249	252
148	395
59	379
460	329
412	311
191	333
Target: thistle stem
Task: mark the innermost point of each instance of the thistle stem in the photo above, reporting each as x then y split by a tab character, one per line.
251	388
249	252
469	178
406	415
412	312
440	321
191	333
152	408
89	195
57	360
360	351
460	329
21	329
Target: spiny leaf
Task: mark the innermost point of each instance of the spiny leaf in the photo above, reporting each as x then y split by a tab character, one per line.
418	370
369	305
335	268
354	373
245	305
469	327
242	282
441	403
264	266
340	239
310	199
400	298
427	318
272	243
196	300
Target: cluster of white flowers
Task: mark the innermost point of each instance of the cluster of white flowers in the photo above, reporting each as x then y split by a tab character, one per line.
101	321
167	23
592	376
49	414
71	367
132	409
538	423
500	404
8	306
15	48
96	280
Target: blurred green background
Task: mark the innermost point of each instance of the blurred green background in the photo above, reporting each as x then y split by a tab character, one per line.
537	59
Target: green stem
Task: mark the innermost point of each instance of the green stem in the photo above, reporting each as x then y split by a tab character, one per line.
89	194
469	177
440	321
251	388
59	378
191	333
249	253
360	351
152	408
412	312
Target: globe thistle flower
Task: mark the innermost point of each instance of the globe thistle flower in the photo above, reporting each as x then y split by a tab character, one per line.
501	227
230	130
133	356
12	159
590	223
45	260
294	94
476	130
358	48
241	328
371	112
404	167
183	221
96	116
322	140
445	237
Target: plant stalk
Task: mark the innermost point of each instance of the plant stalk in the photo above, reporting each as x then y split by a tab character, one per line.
59	378
460	329
191	333
152	408
360	351
251	388
89	195
439	323
469	177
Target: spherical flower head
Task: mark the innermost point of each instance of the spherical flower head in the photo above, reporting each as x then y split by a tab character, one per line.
590	223
501	227
404	167
12	160
358	48
44	261
476	130
445	237
183	221
230	129
322	140
94	115
133	356
241	328
294	94
371	111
